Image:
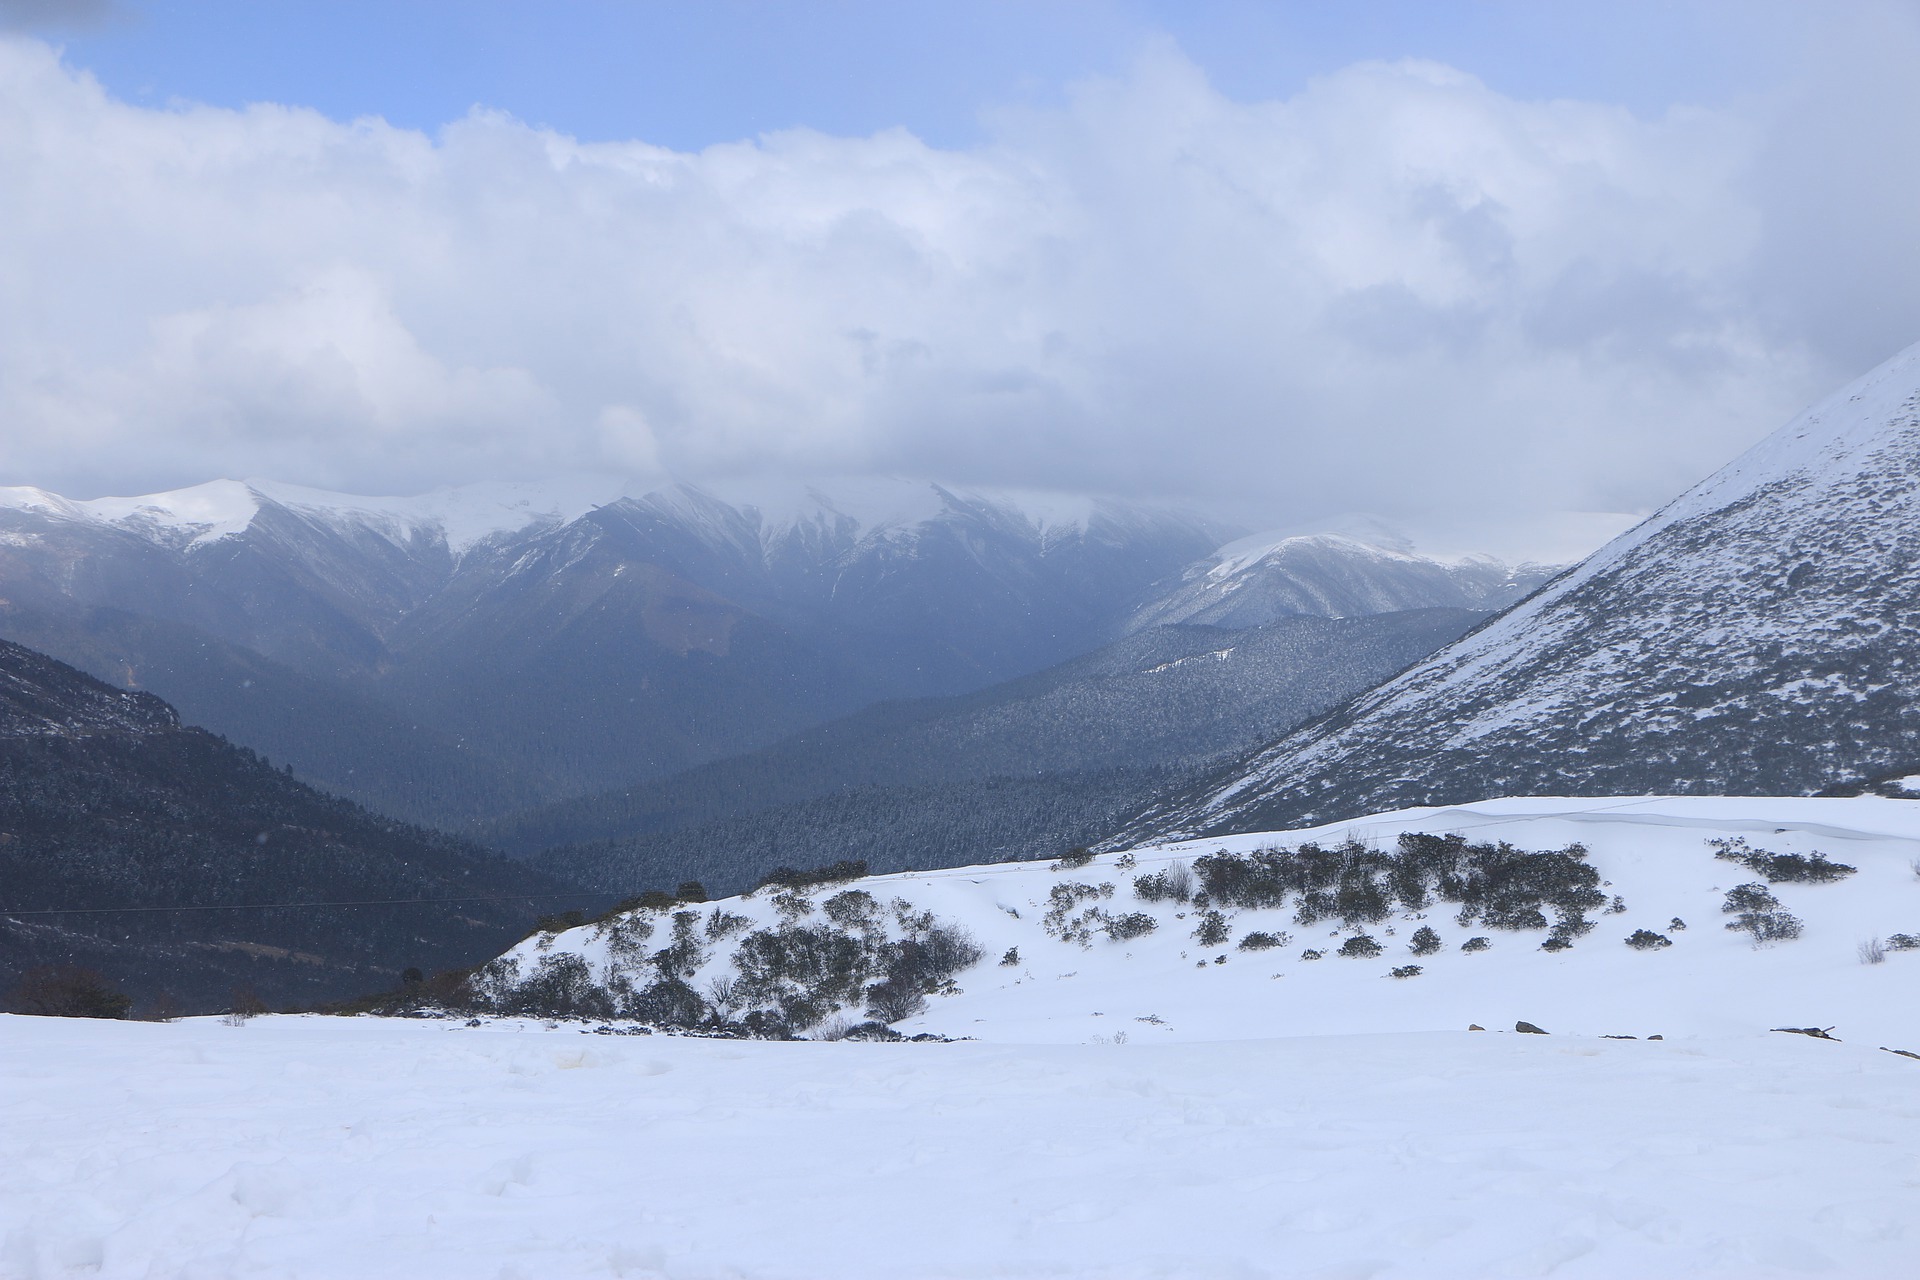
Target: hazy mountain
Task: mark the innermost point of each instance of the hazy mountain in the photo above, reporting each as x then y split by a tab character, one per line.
504	645
1018	770
1757	636
1361	569
113	817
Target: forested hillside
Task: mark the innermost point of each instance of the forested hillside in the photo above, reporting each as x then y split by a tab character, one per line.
181	866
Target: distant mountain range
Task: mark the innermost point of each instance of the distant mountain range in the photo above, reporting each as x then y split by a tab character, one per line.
179	865
1760	635
476	653
1022	769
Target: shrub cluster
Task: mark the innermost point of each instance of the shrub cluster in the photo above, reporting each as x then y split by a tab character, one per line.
1648	940
1755	910
1174	883
783	979
1068	919
1781	868
1135	924
1496	885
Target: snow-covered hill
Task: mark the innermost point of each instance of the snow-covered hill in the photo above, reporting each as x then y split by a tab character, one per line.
1340	573
1128	1110
1756	636
1220	940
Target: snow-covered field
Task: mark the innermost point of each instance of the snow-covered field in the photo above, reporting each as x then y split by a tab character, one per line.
297	1147
1125	1111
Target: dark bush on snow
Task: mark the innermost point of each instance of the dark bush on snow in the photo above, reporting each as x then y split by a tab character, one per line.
826	965
892	1001
1173	883
919	966
1073	859
1405	971
1212	930
1476	944
1258	941
1425	941
1360	947
1648	940
1136	924
1903	942
1759	913
668	1002
1493	884
560	986
1781	868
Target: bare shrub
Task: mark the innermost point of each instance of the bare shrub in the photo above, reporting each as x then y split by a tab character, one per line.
1873	951
1172	883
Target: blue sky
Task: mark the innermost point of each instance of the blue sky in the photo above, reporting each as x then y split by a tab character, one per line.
685	75
1494	270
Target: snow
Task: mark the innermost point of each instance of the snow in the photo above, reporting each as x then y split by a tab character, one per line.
310	1147
463	515
467	515
1650	851
1123	1110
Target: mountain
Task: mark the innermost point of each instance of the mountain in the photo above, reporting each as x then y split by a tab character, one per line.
1757	636
475	651
1022	768
157	853
1339	573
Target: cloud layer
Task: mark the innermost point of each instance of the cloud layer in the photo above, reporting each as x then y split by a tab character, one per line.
1396	291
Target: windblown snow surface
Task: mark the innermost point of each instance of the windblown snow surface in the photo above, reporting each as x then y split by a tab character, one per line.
1124	1109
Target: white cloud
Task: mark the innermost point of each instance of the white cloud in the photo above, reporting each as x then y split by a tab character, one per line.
1397	291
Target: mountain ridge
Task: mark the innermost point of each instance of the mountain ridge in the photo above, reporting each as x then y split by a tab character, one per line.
1751	637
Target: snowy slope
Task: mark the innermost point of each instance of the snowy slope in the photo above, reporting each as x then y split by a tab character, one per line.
1363	569
1126	1112
1168	986
1755	636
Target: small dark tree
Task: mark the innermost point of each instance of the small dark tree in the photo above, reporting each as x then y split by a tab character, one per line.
1212	929
1360	947
1135	924
1425	941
